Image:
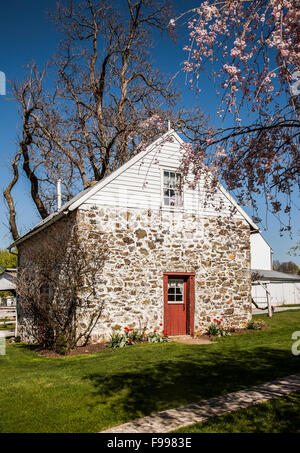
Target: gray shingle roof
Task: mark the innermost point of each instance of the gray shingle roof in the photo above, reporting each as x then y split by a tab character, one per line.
276	276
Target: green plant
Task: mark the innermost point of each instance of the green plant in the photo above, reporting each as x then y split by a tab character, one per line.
118	340
256	325
217	328
158	337
61	346
134	334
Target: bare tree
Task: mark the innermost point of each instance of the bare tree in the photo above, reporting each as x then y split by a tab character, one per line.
57	284
107	101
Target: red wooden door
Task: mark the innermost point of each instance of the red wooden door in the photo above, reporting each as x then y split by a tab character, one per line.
176	305
179	303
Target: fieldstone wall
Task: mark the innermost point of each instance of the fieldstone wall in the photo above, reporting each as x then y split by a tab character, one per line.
62	227
144	244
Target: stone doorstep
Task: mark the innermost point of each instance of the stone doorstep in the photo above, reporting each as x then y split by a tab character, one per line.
187	339
172	419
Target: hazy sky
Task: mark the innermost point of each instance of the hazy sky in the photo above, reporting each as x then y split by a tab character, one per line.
25	35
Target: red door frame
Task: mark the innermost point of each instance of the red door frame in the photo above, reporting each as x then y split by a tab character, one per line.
190	307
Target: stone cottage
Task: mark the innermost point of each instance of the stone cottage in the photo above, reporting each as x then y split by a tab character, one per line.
173	259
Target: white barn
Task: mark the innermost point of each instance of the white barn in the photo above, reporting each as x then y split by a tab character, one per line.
8	282
284	289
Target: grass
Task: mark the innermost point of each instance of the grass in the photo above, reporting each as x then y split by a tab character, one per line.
7	326
281	415
91	393
288	305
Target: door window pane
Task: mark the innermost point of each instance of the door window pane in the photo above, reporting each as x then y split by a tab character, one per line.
175	290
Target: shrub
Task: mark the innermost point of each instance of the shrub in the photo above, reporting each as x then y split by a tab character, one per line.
217	329
256	325
61	345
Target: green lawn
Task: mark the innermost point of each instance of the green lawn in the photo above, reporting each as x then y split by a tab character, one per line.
281	415
7	326
92	393
288	305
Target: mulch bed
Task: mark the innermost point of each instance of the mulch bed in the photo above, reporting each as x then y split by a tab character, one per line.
89	349
237	331
96	347
249	330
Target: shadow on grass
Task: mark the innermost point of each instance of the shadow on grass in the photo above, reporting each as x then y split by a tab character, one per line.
183	380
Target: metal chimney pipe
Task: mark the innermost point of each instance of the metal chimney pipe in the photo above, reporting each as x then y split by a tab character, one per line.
58	194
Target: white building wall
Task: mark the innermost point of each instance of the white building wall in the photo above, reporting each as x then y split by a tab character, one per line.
281	293
140	186
260	252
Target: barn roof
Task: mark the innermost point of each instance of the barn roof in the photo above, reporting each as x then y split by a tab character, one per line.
276	276
81	197
8	280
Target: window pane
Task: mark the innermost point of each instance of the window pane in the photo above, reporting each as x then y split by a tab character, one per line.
169	193
175	290
166	178
172	186
172	283
179	283
172	180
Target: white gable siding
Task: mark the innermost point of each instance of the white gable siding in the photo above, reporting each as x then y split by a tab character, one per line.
140	186
260	252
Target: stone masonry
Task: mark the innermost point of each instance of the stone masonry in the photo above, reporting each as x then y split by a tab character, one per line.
143	244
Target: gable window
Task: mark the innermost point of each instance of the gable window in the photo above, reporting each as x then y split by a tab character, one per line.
172	188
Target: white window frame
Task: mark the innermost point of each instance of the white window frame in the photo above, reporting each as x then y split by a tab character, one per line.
163	206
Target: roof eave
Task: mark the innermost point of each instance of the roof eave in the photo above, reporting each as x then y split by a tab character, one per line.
38	228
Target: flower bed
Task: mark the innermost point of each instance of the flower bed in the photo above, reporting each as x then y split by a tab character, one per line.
133	336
